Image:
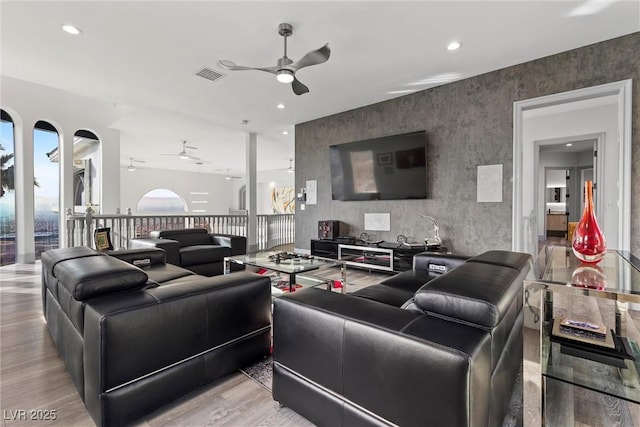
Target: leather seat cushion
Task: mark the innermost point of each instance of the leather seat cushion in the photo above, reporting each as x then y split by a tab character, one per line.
166	272
504	258
385	294
410	280
203	254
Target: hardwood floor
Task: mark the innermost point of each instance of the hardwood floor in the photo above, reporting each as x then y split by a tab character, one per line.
34	378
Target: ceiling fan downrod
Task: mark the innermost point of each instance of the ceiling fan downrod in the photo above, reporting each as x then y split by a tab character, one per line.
284	75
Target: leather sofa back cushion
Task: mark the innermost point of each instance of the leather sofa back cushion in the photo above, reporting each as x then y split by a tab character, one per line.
474	292
186	237
90	277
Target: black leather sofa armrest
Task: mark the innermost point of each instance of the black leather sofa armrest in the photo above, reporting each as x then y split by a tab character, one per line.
436	264
141	257
91	277
475	293
435	372
128	337
170	247
238	244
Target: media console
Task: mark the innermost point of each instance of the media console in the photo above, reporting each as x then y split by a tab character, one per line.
385	256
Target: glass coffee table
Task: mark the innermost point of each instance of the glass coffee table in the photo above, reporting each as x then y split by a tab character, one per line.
299	267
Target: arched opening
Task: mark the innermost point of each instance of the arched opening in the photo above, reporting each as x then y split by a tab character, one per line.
7	191
47	187
161	201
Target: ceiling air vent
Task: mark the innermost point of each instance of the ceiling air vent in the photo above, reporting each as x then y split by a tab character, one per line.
209	74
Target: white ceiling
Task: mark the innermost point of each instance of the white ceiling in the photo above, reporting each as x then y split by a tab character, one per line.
142	57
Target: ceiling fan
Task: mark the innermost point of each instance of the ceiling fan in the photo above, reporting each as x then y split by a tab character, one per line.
183	154
285	69
131	167
291	169
228	176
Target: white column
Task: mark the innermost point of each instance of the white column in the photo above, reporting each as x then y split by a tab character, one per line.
252	204
25	245
109	198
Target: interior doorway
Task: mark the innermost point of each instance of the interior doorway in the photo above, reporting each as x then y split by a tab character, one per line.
603	110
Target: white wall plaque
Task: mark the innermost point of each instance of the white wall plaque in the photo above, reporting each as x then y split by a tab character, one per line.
490	183
377	222
312	192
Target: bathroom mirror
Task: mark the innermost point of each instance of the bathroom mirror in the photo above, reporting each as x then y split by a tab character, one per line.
556	195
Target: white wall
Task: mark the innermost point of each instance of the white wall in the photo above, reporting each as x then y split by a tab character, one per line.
595	120
134	185
266	180
223	193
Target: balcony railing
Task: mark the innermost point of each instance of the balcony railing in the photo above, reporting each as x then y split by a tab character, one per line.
272	230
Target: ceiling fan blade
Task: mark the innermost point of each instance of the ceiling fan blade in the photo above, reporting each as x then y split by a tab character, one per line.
314	57
298	87
231	66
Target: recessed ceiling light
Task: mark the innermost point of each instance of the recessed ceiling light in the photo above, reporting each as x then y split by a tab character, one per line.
281	106
71	29
568	144
284	132
454	46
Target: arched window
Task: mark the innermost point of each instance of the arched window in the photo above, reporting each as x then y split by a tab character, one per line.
47	190
7	191
161	200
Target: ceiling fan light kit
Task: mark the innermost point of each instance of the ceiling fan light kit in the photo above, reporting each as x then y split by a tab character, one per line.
285	76
285	69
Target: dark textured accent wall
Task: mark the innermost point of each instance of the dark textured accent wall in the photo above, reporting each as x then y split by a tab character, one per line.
468	123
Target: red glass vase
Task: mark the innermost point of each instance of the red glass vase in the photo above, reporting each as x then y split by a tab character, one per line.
588	241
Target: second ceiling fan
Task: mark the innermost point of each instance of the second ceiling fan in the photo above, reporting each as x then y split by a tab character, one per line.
183	154
285	70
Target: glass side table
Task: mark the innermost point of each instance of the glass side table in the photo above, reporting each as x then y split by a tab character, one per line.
583	368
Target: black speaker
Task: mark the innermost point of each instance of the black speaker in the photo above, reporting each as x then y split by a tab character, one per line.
328	230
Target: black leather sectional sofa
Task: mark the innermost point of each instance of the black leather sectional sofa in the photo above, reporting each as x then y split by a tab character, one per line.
440	345
136	333
195	248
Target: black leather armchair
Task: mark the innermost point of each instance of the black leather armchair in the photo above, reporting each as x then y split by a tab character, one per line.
196	249
136	333
448	355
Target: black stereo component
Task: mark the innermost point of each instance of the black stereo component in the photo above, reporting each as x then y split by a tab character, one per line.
328	230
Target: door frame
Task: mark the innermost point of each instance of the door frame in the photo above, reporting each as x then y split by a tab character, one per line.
524	230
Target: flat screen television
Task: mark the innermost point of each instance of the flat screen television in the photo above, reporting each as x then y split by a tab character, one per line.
389	168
